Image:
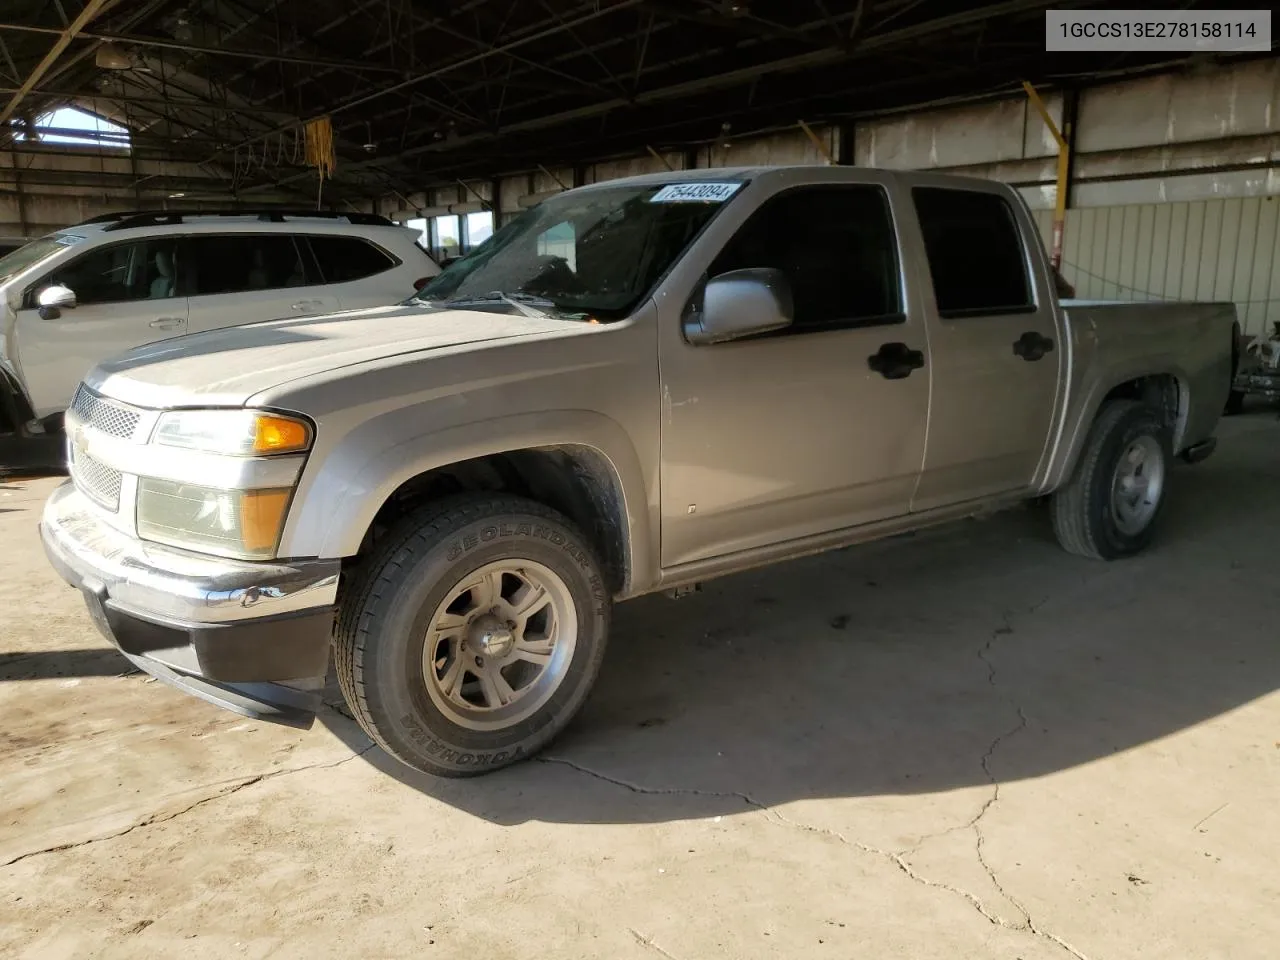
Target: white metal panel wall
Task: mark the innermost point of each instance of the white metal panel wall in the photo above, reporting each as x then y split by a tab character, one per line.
1196	250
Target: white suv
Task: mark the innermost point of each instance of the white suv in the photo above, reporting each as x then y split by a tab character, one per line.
88	292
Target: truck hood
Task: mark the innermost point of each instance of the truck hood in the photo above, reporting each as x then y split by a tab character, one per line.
226	367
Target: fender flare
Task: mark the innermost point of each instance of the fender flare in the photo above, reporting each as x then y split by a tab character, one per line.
1076	432
339	496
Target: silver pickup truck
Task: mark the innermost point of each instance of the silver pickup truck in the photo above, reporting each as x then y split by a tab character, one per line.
632	387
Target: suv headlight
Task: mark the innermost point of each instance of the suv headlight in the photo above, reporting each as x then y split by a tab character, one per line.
243	522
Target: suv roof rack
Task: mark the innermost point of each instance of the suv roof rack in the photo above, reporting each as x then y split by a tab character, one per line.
154	218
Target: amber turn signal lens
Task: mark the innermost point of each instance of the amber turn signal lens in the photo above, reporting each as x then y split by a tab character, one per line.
280	435
261	517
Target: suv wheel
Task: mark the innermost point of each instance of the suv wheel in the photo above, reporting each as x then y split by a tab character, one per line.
472	638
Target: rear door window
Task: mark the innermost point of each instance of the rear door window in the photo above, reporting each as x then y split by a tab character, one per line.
343	259
975	252
229	263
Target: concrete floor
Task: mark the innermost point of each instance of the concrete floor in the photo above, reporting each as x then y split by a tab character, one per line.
961	744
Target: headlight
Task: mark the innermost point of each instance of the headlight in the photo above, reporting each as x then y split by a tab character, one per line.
239	509
235	433
244	524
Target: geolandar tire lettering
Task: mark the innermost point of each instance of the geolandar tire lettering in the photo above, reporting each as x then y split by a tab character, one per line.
1109	507
473	635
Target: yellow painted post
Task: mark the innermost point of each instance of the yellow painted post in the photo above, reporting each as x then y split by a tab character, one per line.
659	157
1064	157
817	142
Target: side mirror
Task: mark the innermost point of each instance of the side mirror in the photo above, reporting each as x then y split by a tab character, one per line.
53	300
741	303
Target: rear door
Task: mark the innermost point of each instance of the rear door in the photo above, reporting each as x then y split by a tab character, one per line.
243	278
993	342
127	295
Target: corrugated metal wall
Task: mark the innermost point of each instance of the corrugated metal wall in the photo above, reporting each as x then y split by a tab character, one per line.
1198	250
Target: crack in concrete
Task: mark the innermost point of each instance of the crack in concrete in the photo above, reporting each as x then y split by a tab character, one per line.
779	819
157	818
1028	923
651	943
898	859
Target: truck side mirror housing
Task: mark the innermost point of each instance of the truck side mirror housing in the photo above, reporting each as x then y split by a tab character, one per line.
741	303
51	301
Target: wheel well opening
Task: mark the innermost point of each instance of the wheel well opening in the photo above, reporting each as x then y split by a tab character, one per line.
577	481
1162	392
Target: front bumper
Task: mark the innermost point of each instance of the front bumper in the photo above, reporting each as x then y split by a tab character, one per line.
250	637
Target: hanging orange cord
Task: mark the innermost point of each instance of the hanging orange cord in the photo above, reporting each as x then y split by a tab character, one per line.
318	134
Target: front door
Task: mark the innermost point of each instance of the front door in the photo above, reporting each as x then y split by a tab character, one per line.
243	278
126	295
794	434
995	350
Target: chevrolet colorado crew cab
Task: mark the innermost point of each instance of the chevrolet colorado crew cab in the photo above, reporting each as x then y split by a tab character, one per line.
635	386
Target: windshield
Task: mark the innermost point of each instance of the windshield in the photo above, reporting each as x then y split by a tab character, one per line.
595	253
32	253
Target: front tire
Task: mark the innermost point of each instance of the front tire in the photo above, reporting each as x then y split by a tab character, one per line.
1109	507
474	635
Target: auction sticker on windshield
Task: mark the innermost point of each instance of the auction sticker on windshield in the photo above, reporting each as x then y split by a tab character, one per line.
695	193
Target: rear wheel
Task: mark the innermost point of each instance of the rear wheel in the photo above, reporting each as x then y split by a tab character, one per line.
1109	507
474	635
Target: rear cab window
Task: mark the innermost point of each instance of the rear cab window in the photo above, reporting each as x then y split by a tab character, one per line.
977	259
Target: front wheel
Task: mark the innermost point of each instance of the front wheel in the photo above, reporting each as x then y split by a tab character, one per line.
1109	506
474	635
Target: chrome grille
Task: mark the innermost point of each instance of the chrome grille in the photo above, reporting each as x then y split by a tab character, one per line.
105	416
95	479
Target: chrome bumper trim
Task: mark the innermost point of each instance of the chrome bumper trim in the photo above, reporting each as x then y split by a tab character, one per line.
166	582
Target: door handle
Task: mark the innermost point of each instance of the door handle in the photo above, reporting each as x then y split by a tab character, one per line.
166	323
894	361
307	304
1031	346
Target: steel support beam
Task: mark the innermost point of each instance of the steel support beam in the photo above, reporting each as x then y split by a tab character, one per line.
136	41
91	10
459	63
730	78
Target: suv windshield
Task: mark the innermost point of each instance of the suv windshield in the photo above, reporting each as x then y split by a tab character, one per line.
595	253
32	253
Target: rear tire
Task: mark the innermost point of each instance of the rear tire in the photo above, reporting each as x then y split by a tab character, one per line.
1108	509
474	634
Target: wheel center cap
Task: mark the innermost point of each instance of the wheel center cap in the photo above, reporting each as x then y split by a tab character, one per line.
490	636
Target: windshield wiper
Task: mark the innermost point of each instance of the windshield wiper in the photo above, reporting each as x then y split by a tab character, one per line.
527	304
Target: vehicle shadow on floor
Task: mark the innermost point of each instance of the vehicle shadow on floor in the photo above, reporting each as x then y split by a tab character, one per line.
896	668
56	664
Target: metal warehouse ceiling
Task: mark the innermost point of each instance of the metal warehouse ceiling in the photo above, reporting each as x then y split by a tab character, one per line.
427	91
